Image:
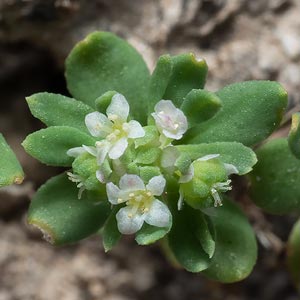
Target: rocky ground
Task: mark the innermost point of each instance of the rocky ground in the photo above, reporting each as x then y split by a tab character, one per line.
240	39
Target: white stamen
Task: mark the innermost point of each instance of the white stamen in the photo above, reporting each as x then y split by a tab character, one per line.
222	187
216	197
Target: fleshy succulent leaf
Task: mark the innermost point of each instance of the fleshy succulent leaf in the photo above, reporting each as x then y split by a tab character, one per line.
148	172
111	234
275	179
150	138
159	80
293	254
184	243
11	170
150	234
61	216
59	110
294	135
187	73
250	112
203	230
147	155
50	145
242	157
104	100
200	105
236	248
103	62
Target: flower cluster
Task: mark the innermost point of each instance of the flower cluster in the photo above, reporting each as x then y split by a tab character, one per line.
133	161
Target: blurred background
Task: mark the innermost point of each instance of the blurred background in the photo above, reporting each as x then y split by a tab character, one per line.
240	39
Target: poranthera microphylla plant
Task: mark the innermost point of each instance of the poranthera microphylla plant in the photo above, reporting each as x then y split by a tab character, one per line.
153	156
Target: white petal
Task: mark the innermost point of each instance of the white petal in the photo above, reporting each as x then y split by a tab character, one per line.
102	151
156	185
100	176
208	157
182	122
231	169
118	148
131	182
127	223
118	107
188	176
98	124
90	150
74	152
158	215
165	106
135	130
169	157
172	135
164	113
113	194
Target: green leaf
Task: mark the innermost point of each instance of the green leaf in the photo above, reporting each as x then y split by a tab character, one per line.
146	155
187	73
147	172
242	157
250	112
50	145
200	105
294	135
150	234
236	248
151	137
61	216
203	230
183	162
103	101
275	179
293	254
11	170
111	234
184	243
159	80
103	62
58	110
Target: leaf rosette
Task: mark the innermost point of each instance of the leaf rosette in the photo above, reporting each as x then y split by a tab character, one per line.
151	155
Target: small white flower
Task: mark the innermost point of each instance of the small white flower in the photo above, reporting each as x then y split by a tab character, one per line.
170	121
113	129
141	205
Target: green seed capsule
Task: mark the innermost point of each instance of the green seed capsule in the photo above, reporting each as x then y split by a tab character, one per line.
84	174
199	192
